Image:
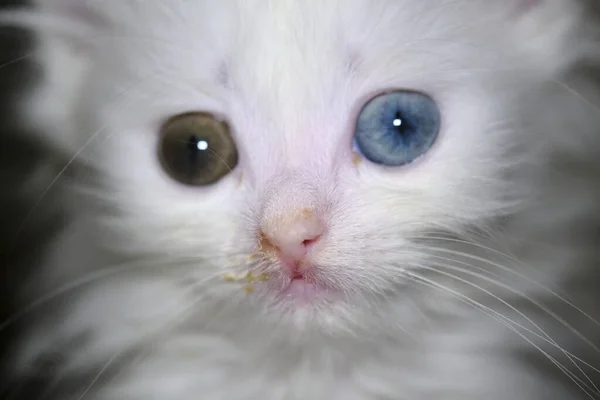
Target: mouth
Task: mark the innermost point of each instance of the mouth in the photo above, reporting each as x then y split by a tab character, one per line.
296	283
296	288
299	283
301	289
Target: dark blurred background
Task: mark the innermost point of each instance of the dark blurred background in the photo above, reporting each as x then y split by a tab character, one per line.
22	233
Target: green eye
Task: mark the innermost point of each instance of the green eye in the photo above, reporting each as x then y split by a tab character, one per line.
197	149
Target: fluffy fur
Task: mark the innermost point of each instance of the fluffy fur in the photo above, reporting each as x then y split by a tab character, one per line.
467	275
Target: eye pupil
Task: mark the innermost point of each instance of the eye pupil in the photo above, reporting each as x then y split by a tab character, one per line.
196	160
197	149
193	148
396	128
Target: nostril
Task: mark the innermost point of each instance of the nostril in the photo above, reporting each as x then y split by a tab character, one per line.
310	242
291	237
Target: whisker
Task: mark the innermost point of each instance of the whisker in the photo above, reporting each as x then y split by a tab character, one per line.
505	321
17	59
511	271
520	313
43	23
167	332
100	373
220	158
72	160
539	305
505	286
189	289
578	95
71	286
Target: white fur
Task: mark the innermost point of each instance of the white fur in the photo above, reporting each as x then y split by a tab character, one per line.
500	199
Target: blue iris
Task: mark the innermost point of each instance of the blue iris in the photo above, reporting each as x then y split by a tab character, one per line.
395	128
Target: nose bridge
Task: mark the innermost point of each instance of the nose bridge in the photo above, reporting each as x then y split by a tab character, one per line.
289	193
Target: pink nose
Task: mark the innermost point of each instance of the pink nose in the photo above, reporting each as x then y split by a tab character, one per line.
293	233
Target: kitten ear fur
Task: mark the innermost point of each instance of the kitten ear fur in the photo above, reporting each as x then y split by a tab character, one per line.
81	11
558	33
66	31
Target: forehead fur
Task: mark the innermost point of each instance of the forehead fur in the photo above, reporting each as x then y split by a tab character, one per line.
271	59
288	74
265	51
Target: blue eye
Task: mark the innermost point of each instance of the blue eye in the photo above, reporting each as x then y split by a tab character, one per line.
395	128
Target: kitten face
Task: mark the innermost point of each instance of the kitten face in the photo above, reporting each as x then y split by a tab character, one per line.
291	78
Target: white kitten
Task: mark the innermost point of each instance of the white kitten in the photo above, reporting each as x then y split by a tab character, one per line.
358	199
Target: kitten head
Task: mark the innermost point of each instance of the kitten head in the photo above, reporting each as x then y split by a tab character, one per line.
292	158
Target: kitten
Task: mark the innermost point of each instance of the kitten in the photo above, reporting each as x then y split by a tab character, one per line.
358	199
